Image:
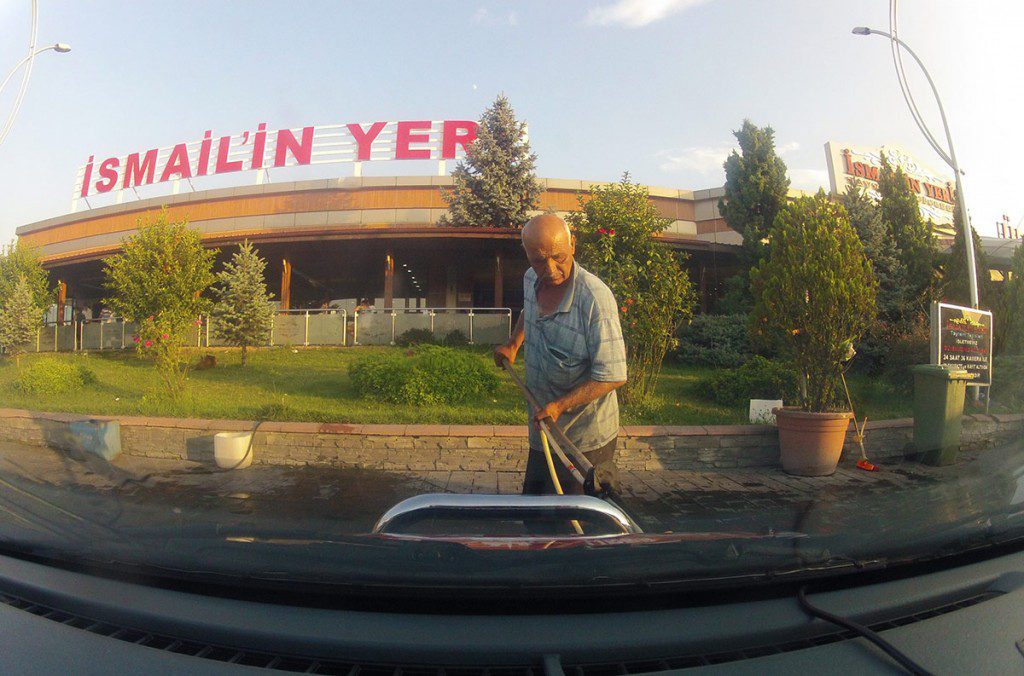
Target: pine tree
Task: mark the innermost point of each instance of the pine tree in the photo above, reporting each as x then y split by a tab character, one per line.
243	315
1013	307
881	250
20	318
917	248
756	187
955	286
20	260
495	185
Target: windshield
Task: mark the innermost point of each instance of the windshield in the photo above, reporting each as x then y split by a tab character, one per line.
603	298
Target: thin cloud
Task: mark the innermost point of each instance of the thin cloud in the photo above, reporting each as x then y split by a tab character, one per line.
809	179
638	13
702	160
485	17
708	160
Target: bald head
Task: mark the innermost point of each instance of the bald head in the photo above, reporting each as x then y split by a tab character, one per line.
550	247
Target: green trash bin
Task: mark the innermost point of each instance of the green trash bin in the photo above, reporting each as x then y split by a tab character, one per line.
938	411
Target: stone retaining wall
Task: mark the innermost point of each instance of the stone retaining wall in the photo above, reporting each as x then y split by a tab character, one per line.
473	447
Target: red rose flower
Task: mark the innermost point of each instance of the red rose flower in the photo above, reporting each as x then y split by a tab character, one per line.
623	308
164	336
149	343
136	339
612	231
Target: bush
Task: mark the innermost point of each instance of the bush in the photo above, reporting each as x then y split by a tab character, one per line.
887	352
815	292
455	338
414	337
51	375
759	378
430	375
721	341
1008	382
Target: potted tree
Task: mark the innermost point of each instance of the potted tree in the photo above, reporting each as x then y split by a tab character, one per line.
815	296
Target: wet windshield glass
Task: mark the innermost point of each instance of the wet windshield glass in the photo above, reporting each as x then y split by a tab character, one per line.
509	296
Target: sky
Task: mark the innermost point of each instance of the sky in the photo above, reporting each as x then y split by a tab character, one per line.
653	87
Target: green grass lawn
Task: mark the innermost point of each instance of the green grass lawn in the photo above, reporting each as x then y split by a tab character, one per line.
313	385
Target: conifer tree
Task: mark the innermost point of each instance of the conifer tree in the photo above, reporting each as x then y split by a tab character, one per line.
495	185
243	315
756	187
881	250
1012	318
913	238
20	260
20	318
955	284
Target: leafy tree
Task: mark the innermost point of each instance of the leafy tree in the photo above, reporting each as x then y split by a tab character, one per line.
1012	315
495	185
756	187
21	260
157	281
243	314
616	240
955	285
918	253
815	291
881	250
20	318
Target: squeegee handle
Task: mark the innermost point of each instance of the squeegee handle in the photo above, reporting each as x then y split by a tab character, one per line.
561	443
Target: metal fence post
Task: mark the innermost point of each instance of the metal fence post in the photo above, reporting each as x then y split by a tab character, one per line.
344	327
122	334
56	335
39	332
471	327
101	334
305	338
355	328
394	318
207	329
273	323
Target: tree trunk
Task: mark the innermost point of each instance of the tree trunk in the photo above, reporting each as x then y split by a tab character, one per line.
245	356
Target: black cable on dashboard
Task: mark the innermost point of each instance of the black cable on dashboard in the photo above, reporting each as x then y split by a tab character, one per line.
859	629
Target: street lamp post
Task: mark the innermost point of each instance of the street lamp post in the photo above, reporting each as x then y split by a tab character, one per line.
950	159
60	48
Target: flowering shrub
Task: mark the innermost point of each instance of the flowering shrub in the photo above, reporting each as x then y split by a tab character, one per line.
157	281
615	232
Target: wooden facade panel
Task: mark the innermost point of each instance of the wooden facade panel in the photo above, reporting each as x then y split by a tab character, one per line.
337	200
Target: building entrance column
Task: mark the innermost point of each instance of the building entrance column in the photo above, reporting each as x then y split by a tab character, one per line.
499	282
62	299
286	284
389	280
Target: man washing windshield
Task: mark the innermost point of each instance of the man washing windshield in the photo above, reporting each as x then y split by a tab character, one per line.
575	356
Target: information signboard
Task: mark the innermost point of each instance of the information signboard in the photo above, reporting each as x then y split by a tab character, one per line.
962	337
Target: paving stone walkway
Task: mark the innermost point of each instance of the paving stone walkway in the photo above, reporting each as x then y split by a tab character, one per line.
352	500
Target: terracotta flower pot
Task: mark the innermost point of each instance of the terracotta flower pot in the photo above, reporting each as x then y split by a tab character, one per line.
811	443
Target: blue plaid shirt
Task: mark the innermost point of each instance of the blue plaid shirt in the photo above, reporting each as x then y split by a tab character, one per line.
579	341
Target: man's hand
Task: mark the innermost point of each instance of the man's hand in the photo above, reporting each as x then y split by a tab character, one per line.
553	410
503	352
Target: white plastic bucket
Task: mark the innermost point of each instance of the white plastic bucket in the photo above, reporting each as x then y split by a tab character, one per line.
761	411
229	449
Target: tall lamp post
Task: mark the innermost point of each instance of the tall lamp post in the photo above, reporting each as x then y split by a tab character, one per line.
60	48
949	158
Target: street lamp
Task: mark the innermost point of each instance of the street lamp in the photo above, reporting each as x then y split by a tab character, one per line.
949	158
60	48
